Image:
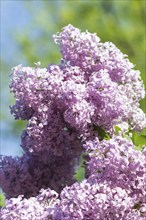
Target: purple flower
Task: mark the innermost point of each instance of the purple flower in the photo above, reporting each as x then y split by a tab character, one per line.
117	162
70	109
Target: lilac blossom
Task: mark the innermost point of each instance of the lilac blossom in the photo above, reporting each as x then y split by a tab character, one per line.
26	175
85	200
117	162
114	188
88	200
40	207
70	109
80	97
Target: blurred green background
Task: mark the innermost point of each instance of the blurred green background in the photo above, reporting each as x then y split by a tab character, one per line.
26	37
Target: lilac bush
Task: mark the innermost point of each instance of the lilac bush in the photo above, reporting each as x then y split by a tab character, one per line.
72	112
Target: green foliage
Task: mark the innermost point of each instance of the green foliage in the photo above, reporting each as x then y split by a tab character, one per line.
80	174
2	200
139	139
101	133
80	170
117	129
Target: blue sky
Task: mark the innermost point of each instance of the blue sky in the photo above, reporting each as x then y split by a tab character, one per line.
14	17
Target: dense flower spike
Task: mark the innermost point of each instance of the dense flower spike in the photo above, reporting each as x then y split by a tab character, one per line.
104	60
86	200
26	175
85	50
96	201
71	108
40	207
117	162
81	98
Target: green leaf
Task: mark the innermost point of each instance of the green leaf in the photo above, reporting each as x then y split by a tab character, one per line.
80	174
2	200
139	147
80	170
117	129
101	133
143	132
139	140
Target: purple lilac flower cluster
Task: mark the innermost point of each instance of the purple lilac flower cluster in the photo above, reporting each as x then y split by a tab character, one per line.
34	208
26	175
117	162
93	89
